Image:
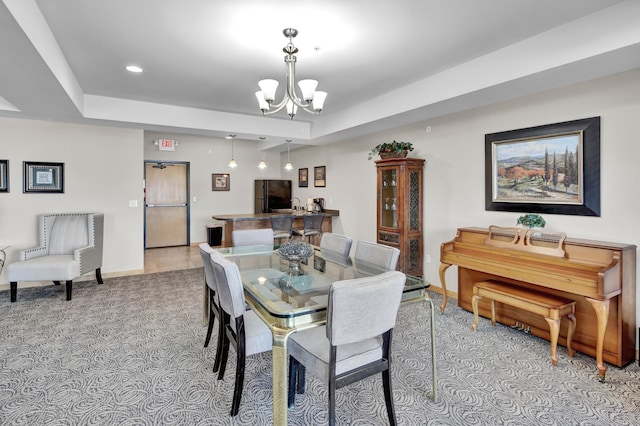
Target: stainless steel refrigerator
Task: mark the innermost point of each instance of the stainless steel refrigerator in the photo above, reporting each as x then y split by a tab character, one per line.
271	195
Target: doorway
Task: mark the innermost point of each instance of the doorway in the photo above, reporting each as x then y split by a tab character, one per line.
166	204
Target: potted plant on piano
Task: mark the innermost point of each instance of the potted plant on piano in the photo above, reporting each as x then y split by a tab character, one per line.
532	220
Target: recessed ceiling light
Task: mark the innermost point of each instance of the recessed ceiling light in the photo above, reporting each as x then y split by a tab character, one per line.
133	68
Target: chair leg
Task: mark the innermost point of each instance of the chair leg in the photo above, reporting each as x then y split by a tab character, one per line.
225	349
14	290
69	288
386	377
212	319
99	276
240	366
301	373
293	372
388	397
221	336
210	294
332	386
56	282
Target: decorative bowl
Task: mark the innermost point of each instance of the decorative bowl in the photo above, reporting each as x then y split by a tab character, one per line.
295	250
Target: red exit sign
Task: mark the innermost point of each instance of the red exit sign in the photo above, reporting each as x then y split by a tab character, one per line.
166	144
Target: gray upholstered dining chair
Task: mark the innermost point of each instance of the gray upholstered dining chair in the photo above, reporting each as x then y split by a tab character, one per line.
336	243
349	347
282	226
377	254
244	330
213	302
70	246
252	237
312	226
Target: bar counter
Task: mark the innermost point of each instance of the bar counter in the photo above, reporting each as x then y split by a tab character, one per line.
263	220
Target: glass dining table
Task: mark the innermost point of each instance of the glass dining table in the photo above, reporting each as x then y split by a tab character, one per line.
291	296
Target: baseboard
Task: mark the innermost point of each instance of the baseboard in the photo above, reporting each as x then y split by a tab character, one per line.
86	277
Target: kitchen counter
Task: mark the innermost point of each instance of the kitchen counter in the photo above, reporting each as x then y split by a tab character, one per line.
263	220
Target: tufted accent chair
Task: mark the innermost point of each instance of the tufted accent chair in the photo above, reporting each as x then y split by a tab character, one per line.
70	246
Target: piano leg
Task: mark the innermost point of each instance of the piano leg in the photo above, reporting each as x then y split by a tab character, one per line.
602	316
443	268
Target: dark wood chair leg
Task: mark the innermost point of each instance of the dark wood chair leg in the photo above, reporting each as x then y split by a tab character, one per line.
302	372
388	397
332	386
13	290
221	337
69	288
212	319
240	366
56	282
223	357
386	378
99	276
293	380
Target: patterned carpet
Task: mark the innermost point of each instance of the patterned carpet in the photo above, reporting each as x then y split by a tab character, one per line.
129	352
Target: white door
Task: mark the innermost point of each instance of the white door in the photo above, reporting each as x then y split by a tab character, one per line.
166	204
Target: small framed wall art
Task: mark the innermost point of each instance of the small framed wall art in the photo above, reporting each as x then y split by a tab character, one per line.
4	175
320	176
303	178
220	182
43	177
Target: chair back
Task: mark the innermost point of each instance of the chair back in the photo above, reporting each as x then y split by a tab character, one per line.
377	254
313	222
252	237
336	243
63	233
363	308
230	291
205	253
282	225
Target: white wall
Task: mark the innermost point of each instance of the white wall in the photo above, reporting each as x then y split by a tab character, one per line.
102	172
454	171
207	155
104	169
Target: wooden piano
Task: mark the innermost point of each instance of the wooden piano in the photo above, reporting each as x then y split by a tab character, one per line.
599	276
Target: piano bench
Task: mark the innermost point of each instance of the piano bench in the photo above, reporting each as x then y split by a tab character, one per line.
552	308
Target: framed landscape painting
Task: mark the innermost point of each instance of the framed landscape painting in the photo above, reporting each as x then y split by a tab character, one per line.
553	169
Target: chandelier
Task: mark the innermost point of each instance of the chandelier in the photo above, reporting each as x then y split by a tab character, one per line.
311	100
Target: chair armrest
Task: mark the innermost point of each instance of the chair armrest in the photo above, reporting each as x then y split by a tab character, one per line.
32	253
89	258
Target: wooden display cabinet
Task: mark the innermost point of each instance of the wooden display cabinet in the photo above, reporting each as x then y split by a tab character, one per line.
399	210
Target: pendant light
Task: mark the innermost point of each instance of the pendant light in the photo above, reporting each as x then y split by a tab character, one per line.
232	163
262	165
288	167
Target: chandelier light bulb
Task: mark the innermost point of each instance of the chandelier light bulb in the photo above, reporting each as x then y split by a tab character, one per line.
262	165
288	166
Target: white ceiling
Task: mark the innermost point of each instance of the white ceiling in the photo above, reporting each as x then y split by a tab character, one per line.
384	63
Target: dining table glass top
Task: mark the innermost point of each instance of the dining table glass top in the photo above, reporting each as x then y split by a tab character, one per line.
294	293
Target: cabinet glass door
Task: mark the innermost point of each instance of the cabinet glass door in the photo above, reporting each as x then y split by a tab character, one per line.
388	204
